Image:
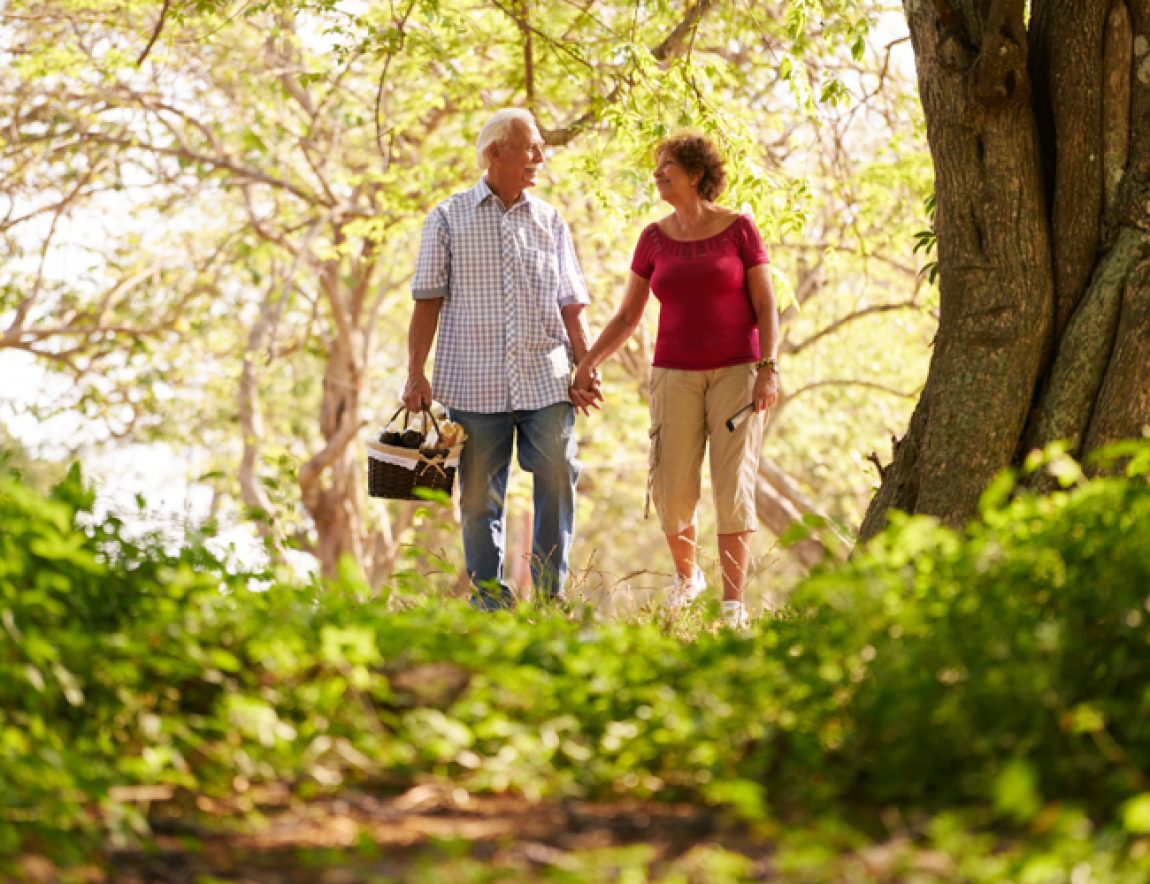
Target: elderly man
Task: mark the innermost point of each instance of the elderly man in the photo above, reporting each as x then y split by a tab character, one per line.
498	277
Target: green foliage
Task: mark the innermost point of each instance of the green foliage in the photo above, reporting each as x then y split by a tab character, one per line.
994	677
96	656
926	241
1014	655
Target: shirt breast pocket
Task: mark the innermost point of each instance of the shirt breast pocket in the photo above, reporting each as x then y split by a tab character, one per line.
542	270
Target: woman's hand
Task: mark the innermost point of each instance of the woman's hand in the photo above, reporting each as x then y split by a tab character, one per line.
766	393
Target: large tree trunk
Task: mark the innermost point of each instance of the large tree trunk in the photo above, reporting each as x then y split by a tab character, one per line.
1040	136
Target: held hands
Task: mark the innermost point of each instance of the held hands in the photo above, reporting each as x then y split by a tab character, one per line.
584	391
417	392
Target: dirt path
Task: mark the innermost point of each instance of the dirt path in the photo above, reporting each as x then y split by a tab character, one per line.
436	833
431	834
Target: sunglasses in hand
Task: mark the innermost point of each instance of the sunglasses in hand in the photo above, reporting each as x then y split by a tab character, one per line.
739	416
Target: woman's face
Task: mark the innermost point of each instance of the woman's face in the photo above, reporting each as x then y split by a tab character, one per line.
672	180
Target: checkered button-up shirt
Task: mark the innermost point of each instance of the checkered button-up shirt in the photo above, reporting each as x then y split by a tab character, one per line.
504	274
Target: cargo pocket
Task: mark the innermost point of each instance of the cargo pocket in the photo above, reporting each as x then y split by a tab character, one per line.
652	466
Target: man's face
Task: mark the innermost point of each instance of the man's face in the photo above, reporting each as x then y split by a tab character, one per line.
517	159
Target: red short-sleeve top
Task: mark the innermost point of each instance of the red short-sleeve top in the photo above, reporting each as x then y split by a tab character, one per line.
706	319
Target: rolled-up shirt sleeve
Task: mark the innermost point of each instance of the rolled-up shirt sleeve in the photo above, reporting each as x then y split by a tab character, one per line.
572	288
433	266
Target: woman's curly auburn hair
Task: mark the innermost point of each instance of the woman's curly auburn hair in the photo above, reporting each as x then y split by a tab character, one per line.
698	155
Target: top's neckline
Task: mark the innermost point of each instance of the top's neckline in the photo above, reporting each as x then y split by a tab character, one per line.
722	232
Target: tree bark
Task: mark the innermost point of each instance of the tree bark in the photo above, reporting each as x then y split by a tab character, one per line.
1040	137
261	510
329	482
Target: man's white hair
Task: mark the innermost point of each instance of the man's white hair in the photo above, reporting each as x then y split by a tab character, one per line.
497	129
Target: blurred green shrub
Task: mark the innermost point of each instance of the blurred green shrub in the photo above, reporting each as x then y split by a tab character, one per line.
1003	667
1008	663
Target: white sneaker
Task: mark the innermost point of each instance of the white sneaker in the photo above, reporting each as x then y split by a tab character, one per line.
683	592
735	616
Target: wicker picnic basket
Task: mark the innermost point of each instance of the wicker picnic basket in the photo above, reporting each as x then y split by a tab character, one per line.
396	472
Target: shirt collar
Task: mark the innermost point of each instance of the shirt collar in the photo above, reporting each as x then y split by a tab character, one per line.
482	191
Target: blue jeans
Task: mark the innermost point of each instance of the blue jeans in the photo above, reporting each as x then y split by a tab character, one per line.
546	443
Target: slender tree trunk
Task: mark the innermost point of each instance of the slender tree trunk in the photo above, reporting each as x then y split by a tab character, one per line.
1040	136
261	510
332	482
329	482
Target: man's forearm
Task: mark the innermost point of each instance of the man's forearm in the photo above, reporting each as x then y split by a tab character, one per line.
421	333
576	331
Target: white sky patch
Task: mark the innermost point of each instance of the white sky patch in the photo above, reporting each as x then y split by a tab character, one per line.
124	476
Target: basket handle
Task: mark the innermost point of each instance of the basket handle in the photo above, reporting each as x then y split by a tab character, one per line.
407	417
434	422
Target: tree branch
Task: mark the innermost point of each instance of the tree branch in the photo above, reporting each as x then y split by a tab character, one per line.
225	164
834	247
16	327
400	26
336	445
849	318
850	382
671	47
528	58
156	32
779	503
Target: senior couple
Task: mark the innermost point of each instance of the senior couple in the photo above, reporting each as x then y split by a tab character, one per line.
497	278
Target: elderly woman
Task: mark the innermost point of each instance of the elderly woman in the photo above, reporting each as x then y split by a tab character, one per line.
715	354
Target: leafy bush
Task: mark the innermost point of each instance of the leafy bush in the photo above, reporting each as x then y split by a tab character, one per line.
98	670
1003	667
1009	663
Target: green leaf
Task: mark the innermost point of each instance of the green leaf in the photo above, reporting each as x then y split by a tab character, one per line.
1016	794
1087	719
1136	814
998	492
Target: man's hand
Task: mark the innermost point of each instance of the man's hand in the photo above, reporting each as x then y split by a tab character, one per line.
417	392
